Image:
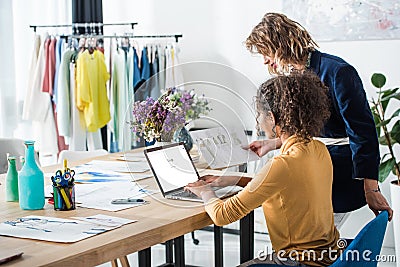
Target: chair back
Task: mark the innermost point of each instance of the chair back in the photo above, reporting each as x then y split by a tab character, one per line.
363	251
366	246
78	155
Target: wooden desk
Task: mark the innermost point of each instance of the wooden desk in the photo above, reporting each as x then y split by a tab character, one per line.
158	222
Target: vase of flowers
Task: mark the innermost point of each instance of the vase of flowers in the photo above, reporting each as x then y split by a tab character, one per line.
160	119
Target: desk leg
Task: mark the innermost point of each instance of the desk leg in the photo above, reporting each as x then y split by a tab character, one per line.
218	246
169	253
247	238
179	250
145	257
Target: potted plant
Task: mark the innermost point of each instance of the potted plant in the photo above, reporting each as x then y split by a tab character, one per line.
388	129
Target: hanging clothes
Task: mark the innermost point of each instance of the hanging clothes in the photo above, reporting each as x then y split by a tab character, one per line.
80	140
141	90
91	95
136	69
59	52
50	67
154	82
173	73
161	67
120	100
37	105
31	78
64	105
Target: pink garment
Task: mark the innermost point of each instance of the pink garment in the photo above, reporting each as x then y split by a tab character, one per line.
50	66
45	84
60	139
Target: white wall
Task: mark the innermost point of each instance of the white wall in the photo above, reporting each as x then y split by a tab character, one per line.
8	108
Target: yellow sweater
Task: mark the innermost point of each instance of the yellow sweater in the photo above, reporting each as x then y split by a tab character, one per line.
294	189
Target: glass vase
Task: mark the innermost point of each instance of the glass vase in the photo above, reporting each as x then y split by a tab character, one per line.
182	135
31	181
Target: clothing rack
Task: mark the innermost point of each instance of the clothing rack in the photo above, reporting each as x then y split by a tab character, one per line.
91	26
176	36
86	25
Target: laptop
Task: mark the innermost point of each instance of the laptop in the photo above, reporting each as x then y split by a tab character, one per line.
173	169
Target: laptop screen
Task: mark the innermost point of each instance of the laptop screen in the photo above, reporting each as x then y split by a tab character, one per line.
172	166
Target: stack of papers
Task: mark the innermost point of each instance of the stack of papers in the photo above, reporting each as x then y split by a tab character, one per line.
132	157
100	195
61	230
111	171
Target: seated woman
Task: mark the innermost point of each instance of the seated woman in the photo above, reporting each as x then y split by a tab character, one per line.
295	187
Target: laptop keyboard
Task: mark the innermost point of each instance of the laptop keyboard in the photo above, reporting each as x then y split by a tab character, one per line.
185	194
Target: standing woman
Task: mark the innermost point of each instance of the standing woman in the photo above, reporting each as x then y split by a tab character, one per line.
350	133
295	187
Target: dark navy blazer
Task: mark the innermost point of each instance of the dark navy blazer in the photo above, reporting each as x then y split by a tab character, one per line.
350	117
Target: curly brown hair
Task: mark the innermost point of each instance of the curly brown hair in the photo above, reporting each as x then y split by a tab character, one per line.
298	101
280	37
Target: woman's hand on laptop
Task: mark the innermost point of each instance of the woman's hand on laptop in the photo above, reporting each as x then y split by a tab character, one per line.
220	181
200	188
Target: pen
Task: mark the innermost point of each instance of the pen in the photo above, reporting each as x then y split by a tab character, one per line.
128	201
65	197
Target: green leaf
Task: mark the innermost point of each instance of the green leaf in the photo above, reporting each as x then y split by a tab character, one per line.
382	140
383	123
389	93
396	96
377	121
386	96
378	80
385	104
385	168
395	114
394	168
395	132
384	156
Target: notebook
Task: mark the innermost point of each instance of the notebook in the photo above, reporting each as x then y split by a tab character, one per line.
173	169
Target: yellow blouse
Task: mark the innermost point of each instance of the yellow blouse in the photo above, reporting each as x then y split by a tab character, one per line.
295	191
91	92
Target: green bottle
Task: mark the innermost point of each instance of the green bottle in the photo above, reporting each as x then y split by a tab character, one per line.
12	181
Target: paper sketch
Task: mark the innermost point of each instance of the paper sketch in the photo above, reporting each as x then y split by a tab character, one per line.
223	148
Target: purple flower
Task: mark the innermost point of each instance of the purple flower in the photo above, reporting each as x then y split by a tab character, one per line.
152	118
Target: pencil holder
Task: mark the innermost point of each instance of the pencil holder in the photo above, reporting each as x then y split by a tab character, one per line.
64	197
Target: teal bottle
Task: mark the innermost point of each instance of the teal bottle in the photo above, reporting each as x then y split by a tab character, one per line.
31	181
12	181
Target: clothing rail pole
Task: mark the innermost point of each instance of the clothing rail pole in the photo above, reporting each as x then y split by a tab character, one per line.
48	26
83	25
176	36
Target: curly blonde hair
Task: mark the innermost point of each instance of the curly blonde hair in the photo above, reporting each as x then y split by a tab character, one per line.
298	101
282	38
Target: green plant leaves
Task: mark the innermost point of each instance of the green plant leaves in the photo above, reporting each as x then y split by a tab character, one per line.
377	121
385	168
394	168
395	133
378	80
